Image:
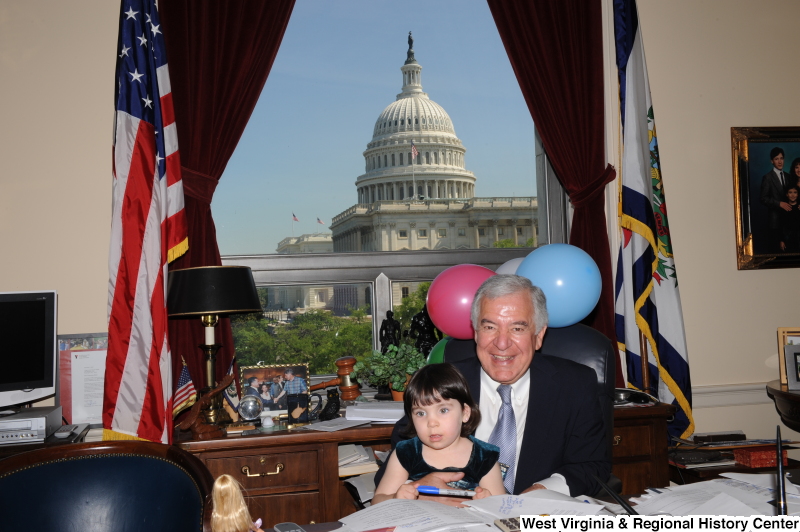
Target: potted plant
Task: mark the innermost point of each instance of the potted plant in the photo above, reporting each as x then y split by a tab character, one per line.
392	368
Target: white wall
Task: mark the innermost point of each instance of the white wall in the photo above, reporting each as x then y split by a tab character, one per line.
713	65
56	109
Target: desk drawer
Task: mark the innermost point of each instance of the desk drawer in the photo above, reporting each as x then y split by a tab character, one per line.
299	470
631	441
302	508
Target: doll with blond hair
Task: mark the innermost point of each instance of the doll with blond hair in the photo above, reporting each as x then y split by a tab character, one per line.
230	511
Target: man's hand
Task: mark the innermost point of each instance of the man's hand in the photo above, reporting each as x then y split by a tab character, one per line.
785	206
535	487
440	480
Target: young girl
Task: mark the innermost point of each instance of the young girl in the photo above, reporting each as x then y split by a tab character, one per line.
443	414
230	511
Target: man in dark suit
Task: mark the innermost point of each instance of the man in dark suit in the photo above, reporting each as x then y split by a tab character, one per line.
560	441
773	197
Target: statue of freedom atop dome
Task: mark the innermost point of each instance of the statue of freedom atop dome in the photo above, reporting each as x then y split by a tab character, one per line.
410	54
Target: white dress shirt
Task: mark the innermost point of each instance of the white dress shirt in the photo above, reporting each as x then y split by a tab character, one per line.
490	411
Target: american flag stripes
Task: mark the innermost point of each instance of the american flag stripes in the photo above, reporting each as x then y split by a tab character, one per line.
320	221
294	218
148	229
414	151
186	394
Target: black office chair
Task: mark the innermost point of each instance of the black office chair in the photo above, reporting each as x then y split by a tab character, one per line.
106	487
578	343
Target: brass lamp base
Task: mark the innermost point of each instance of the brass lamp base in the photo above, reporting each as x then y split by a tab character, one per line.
214	414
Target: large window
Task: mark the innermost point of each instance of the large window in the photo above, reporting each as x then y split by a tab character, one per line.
362	287
330	142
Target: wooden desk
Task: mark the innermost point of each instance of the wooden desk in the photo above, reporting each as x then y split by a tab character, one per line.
306	488
308	483
639	447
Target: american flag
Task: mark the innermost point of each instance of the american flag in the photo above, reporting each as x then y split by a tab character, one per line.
186	394
148	229
294	218
320	221
414	151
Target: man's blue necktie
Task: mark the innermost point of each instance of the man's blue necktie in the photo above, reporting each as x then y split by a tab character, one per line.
504	435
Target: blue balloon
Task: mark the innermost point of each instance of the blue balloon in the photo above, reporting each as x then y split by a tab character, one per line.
569	278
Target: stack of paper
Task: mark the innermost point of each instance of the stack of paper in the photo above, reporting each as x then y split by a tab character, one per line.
376	412
356	460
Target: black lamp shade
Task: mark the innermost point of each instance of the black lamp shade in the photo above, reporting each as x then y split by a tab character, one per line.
216	290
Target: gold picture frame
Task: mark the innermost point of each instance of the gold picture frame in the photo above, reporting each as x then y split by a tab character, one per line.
755	200
786	336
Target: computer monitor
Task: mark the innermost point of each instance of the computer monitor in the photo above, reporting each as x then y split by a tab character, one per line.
28	347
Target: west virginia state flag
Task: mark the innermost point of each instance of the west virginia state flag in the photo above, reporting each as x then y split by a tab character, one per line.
647	297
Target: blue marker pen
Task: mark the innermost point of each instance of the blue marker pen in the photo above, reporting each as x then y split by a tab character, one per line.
430	490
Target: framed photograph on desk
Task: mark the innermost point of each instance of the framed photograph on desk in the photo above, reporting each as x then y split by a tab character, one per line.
269	381
787	336
792	359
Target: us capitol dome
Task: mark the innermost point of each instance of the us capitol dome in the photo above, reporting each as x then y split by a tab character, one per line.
427	201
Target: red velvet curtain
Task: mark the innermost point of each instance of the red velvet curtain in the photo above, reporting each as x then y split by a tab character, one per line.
220	54
556	50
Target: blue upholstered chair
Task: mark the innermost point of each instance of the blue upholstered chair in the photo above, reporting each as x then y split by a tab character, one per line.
105	487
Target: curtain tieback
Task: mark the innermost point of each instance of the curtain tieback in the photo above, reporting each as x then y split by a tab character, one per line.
586	194
198	185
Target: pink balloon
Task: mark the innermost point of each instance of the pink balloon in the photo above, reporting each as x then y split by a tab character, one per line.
450	298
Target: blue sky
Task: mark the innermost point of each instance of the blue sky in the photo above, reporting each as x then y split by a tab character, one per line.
338	67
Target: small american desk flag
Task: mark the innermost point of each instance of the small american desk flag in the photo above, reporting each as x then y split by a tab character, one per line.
186	394
148	229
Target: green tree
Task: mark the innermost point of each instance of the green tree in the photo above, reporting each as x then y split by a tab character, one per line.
411	305
316	337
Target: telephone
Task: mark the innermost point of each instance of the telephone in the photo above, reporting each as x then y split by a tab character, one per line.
623	396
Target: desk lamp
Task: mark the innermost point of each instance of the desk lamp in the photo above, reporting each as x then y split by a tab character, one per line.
210	292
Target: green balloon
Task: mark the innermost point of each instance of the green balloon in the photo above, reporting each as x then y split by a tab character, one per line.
436	355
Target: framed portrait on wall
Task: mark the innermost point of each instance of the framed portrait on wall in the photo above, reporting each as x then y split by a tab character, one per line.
766	172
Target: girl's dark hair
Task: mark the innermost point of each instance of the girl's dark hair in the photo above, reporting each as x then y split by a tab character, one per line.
793	187
434	382
794	163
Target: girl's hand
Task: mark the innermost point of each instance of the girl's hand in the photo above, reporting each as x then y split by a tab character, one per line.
482	493
407	491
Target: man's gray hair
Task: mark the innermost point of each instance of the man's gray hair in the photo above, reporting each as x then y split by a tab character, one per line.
505	285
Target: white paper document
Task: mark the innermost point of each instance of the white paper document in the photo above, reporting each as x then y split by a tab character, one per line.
88	376
376	411
765	480
684	500
724	504
417	516
503	506
333	425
